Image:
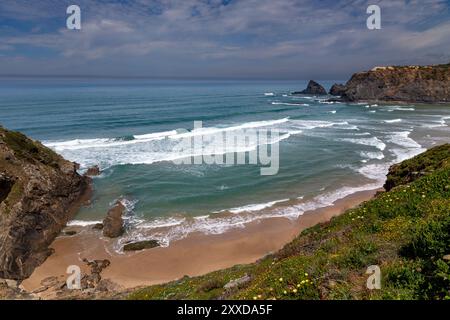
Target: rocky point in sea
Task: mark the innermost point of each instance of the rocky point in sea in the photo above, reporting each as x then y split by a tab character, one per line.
312	88
415	84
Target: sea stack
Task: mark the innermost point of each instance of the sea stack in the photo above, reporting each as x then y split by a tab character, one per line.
313	88
39	192
113	223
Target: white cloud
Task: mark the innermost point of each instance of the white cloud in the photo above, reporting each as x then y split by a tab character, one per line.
271	36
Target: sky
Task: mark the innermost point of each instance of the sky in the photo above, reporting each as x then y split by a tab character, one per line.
219	39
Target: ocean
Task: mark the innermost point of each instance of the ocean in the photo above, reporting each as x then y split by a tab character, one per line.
129	128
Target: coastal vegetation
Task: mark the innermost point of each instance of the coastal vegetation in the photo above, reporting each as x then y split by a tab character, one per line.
405	231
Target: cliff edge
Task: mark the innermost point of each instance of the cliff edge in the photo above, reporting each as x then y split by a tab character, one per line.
423	84
39	193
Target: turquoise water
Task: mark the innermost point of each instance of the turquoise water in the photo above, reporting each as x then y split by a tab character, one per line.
327	152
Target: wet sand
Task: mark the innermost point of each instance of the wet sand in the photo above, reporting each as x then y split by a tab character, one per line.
195	255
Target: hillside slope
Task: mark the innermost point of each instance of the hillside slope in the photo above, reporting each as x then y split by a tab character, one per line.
405	231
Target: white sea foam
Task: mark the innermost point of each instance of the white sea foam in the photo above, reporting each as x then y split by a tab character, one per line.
83	223
269	94
393	121
326	102
441	122
375	171
409	147
400	108
161	146
373	141
290	104
255	207
372	155
332	111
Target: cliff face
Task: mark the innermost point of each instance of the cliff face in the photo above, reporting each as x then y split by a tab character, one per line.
427	84
39	193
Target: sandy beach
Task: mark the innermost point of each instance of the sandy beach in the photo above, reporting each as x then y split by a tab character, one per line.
195	255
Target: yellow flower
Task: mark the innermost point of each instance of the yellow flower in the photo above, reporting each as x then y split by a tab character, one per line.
298	286
255	298
306	274
285	292
259	296
281	279
294	291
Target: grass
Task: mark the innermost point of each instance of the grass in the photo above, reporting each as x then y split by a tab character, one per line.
405	231
27	149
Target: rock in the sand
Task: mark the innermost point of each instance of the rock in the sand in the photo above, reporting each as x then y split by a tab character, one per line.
313	88
70	232
93	171
238	282
94	278
98	226
39	192
113	223
141	245
337	89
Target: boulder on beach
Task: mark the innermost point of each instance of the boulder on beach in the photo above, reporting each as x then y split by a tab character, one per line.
337	89
313	88
113	223
141	245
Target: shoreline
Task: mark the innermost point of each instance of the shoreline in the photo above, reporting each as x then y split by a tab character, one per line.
195	255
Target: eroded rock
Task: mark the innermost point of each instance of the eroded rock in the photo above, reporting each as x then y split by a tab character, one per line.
40	192
113	223
313	88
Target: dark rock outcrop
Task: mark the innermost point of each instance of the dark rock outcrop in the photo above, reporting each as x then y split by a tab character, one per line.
98	226
313	88
141	245
424	84
337	89
113	223
39	193
94	278
93	171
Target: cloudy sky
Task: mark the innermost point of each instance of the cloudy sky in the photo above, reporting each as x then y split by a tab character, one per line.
259	39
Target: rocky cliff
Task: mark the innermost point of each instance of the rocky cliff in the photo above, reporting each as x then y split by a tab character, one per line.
312	88
424	84
39	193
